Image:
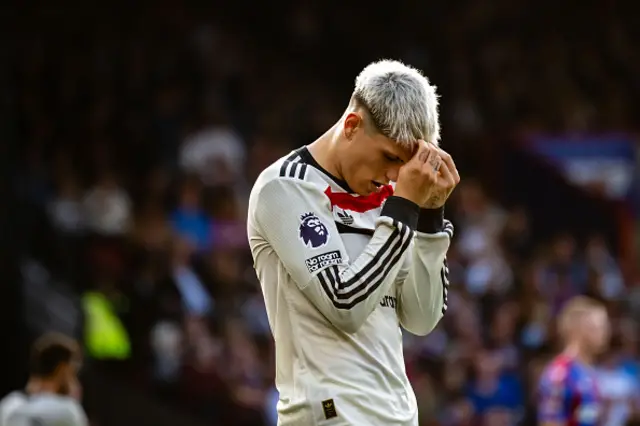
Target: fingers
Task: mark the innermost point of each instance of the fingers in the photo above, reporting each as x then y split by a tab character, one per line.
450	165
424	153
433	161
447	176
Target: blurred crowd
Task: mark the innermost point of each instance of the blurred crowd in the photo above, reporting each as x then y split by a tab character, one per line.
141	141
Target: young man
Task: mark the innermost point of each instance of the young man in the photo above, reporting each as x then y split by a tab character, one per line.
345	259
50	398
568	390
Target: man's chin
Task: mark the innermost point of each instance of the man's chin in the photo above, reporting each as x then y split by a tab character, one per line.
366	192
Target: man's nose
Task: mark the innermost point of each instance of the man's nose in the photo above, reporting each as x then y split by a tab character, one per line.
392	174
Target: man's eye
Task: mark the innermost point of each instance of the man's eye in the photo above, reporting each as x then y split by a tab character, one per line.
392	158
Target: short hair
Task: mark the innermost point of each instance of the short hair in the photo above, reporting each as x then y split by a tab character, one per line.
574	310
50	351
403	105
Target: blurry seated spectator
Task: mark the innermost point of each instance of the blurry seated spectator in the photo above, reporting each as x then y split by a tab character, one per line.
254	313
216	153
488	272
502	331
491	388
189	220
629	347
166	345
565	274
499	417
610	284
202	381
480	221
65	208
107	207
228	223
245	372
459	412
195	297
516	236
151	232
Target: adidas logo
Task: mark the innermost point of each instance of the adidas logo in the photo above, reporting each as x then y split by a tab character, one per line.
346	218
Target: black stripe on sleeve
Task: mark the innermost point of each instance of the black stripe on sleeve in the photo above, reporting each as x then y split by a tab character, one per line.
293	169
444	276
303	171
448	228
288	165
347	294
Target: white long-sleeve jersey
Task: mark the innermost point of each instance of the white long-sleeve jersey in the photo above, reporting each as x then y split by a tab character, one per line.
340	274
44	409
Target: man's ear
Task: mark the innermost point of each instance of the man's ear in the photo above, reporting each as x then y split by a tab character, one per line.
352	123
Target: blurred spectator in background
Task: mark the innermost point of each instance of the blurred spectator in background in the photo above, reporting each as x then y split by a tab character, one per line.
107	208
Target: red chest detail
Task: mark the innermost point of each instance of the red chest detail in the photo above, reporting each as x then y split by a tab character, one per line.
356	203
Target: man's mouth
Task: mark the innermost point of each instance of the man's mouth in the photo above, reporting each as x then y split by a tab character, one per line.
377	186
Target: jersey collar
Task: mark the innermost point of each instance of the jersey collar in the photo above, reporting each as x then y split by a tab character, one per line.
306	157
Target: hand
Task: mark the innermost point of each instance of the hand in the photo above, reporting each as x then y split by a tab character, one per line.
418	179
446	180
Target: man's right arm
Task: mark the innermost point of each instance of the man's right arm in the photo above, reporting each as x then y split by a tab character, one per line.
295	218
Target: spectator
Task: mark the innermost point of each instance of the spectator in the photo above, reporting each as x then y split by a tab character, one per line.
189	219
107	207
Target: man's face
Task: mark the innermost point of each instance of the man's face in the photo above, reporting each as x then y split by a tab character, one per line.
369	159
596	331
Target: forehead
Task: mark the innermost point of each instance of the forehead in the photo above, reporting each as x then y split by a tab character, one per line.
599	316
594	318
391	147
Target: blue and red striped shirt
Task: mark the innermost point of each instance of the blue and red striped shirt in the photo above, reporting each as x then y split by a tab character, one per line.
568	393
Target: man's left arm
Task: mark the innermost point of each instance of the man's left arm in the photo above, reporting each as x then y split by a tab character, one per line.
422	293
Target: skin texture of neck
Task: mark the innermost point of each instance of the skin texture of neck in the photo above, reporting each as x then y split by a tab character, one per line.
575	350
325	151
38	385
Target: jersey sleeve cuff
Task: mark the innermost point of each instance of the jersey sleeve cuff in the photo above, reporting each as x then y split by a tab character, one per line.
402	210
431	221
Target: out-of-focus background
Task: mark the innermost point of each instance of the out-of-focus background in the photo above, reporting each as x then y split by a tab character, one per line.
131	133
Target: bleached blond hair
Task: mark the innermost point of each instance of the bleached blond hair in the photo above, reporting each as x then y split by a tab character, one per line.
574	311
403	105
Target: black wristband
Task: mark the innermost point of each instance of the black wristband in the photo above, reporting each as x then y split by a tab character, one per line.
402	210
431	221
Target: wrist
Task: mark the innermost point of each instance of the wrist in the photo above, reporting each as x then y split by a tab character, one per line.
436	200
431	221
403	210
407	196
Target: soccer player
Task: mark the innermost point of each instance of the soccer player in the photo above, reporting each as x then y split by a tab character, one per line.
50	398
345	258
568	391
